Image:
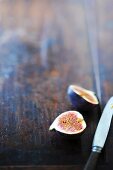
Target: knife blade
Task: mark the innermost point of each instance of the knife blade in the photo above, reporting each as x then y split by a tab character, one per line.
100	135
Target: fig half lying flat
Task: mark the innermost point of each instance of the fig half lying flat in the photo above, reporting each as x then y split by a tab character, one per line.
82	99
69	123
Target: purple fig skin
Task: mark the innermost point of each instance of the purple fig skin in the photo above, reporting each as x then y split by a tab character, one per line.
78	102
70	137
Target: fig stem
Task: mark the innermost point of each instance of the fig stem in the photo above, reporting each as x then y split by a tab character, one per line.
52	126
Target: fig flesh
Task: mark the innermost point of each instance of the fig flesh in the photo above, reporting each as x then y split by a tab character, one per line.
82	99
69	122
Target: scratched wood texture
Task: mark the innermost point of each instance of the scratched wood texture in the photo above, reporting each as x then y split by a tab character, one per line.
44	47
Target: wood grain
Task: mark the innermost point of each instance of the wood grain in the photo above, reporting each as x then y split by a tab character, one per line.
44	48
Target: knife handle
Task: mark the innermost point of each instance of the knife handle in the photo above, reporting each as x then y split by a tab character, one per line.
92	161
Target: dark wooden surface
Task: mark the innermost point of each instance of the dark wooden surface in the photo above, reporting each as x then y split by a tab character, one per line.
44	47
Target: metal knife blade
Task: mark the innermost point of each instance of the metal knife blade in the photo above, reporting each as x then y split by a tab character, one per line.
100	135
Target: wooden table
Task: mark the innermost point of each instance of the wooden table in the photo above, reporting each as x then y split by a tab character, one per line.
44	47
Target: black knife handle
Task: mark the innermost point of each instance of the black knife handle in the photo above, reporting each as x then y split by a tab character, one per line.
92	161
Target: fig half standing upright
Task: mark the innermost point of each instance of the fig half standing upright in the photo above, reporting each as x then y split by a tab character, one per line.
82	99
69	123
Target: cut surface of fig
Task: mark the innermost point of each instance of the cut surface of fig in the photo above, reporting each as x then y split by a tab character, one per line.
86	94
70	122
82	99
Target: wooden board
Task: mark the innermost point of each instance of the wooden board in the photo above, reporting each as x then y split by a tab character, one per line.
44	48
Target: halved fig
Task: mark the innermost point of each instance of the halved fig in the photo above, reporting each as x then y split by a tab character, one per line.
69	123
82	99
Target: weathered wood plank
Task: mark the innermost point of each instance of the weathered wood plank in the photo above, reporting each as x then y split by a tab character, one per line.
105	31
44	47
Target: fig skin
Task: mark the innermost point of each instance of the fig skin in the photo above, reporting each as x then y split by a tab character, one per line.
78	102
70	137
57	125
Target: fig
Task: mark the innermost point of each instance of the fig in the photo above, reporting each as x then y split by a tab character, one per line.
69	123
81	98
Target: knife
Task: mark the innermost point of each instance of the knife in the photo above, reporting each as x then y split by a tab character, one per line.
100	135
